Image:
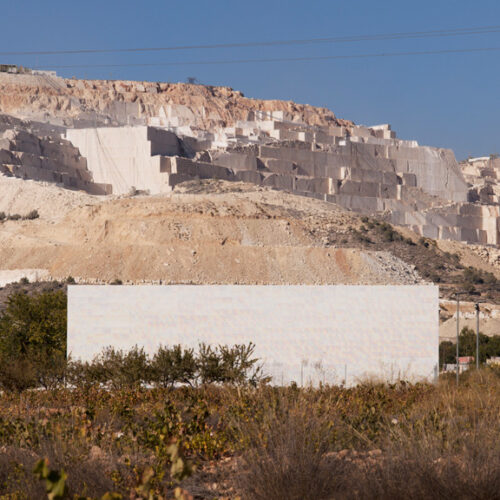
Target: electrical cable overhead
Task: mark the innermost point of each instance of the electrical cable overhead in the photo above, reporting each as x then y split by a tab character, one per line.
277	59
481	30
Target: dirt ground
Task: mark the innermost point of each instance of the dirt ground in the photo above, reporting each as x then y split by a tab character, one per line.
233	233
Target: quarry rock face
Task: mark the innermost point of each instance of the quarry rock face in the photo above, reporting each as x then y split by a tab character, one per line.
108	137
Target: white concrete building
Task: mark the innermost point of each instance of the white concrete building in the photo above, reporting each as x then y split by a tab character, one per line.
303	334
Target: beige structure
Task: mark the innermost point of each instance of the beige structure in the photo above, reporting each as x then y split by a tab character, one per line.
303	334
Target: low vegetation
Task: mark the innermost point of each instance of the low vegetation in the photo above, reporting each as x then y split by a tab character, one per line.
433	264
204	423
372	441
29	216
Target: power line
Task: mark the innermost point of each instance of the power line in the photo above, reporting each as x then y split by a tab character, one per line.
277	59
348	39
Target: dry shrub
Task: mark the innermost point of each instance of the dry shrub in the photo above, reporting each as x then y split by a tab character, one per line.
88	471
447	447
16	476
420	471
286	455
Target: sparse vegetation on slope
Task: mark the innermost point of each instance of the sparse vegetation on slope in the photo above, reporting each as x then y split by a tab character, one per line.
432	263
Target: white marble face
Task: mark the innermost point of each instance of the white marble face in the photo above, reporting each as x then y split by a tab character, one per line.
306	334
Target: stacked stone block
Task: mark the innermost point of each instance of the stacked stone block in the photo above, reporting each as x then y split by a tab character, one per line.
27	156
483	176
363	169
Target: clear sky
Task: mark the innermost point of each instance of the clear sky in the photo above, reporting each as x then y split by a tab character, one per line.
448	100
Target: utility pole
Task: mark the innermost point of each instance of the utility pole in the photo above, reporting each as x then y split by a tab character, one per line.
477	332
477	336
457	295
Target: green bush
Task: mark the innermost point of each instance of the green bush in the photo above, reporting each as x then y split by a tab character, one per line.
32	215
33	340
173	365
33	322
114	368
226	364
168	366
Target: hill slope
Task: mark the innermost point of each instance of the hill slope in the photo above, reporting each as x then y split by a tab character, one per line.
242	234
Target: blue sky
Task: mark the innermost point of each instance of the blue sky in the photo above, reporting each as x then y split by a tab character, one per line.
448	100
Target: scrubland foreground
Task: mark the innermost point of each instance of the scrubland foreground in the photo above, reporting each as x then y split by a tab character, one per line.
235	440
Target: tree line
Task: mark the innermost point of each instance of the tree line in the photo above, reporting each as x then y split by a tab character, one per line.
33	333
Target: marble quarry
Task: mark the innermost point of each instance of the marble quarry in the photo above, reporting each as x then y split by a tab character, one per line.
364	169
483	175
303	334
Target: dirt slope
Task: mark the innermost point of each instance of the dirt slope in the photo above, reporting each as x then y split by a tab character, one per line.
18	196
242	234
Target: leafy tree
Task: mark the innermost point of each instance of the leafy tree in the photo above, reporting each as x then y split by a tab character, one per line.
31	323
447	352
488	346
171	365
33	341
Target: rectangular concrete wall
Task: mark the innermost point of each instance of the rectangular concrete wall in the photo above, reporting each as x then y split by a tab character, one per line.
306	334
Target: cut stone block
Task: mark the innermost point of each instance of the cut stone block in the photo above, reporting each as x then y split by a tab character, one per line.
370	189
174	179
390	178
320	186
235	161
251	176
280	166
388	191
409	180
200	169
363	175
286	182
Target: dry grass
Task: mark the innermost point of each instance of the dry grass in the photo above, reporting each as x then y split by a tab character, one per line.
446	446
286	458
372	441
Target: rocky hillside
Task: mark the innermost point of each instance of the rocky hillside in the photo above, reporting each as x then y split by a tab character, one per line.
71	102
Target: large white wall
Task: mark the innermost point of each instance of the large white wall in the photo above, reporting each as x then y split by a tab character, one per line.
307	334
